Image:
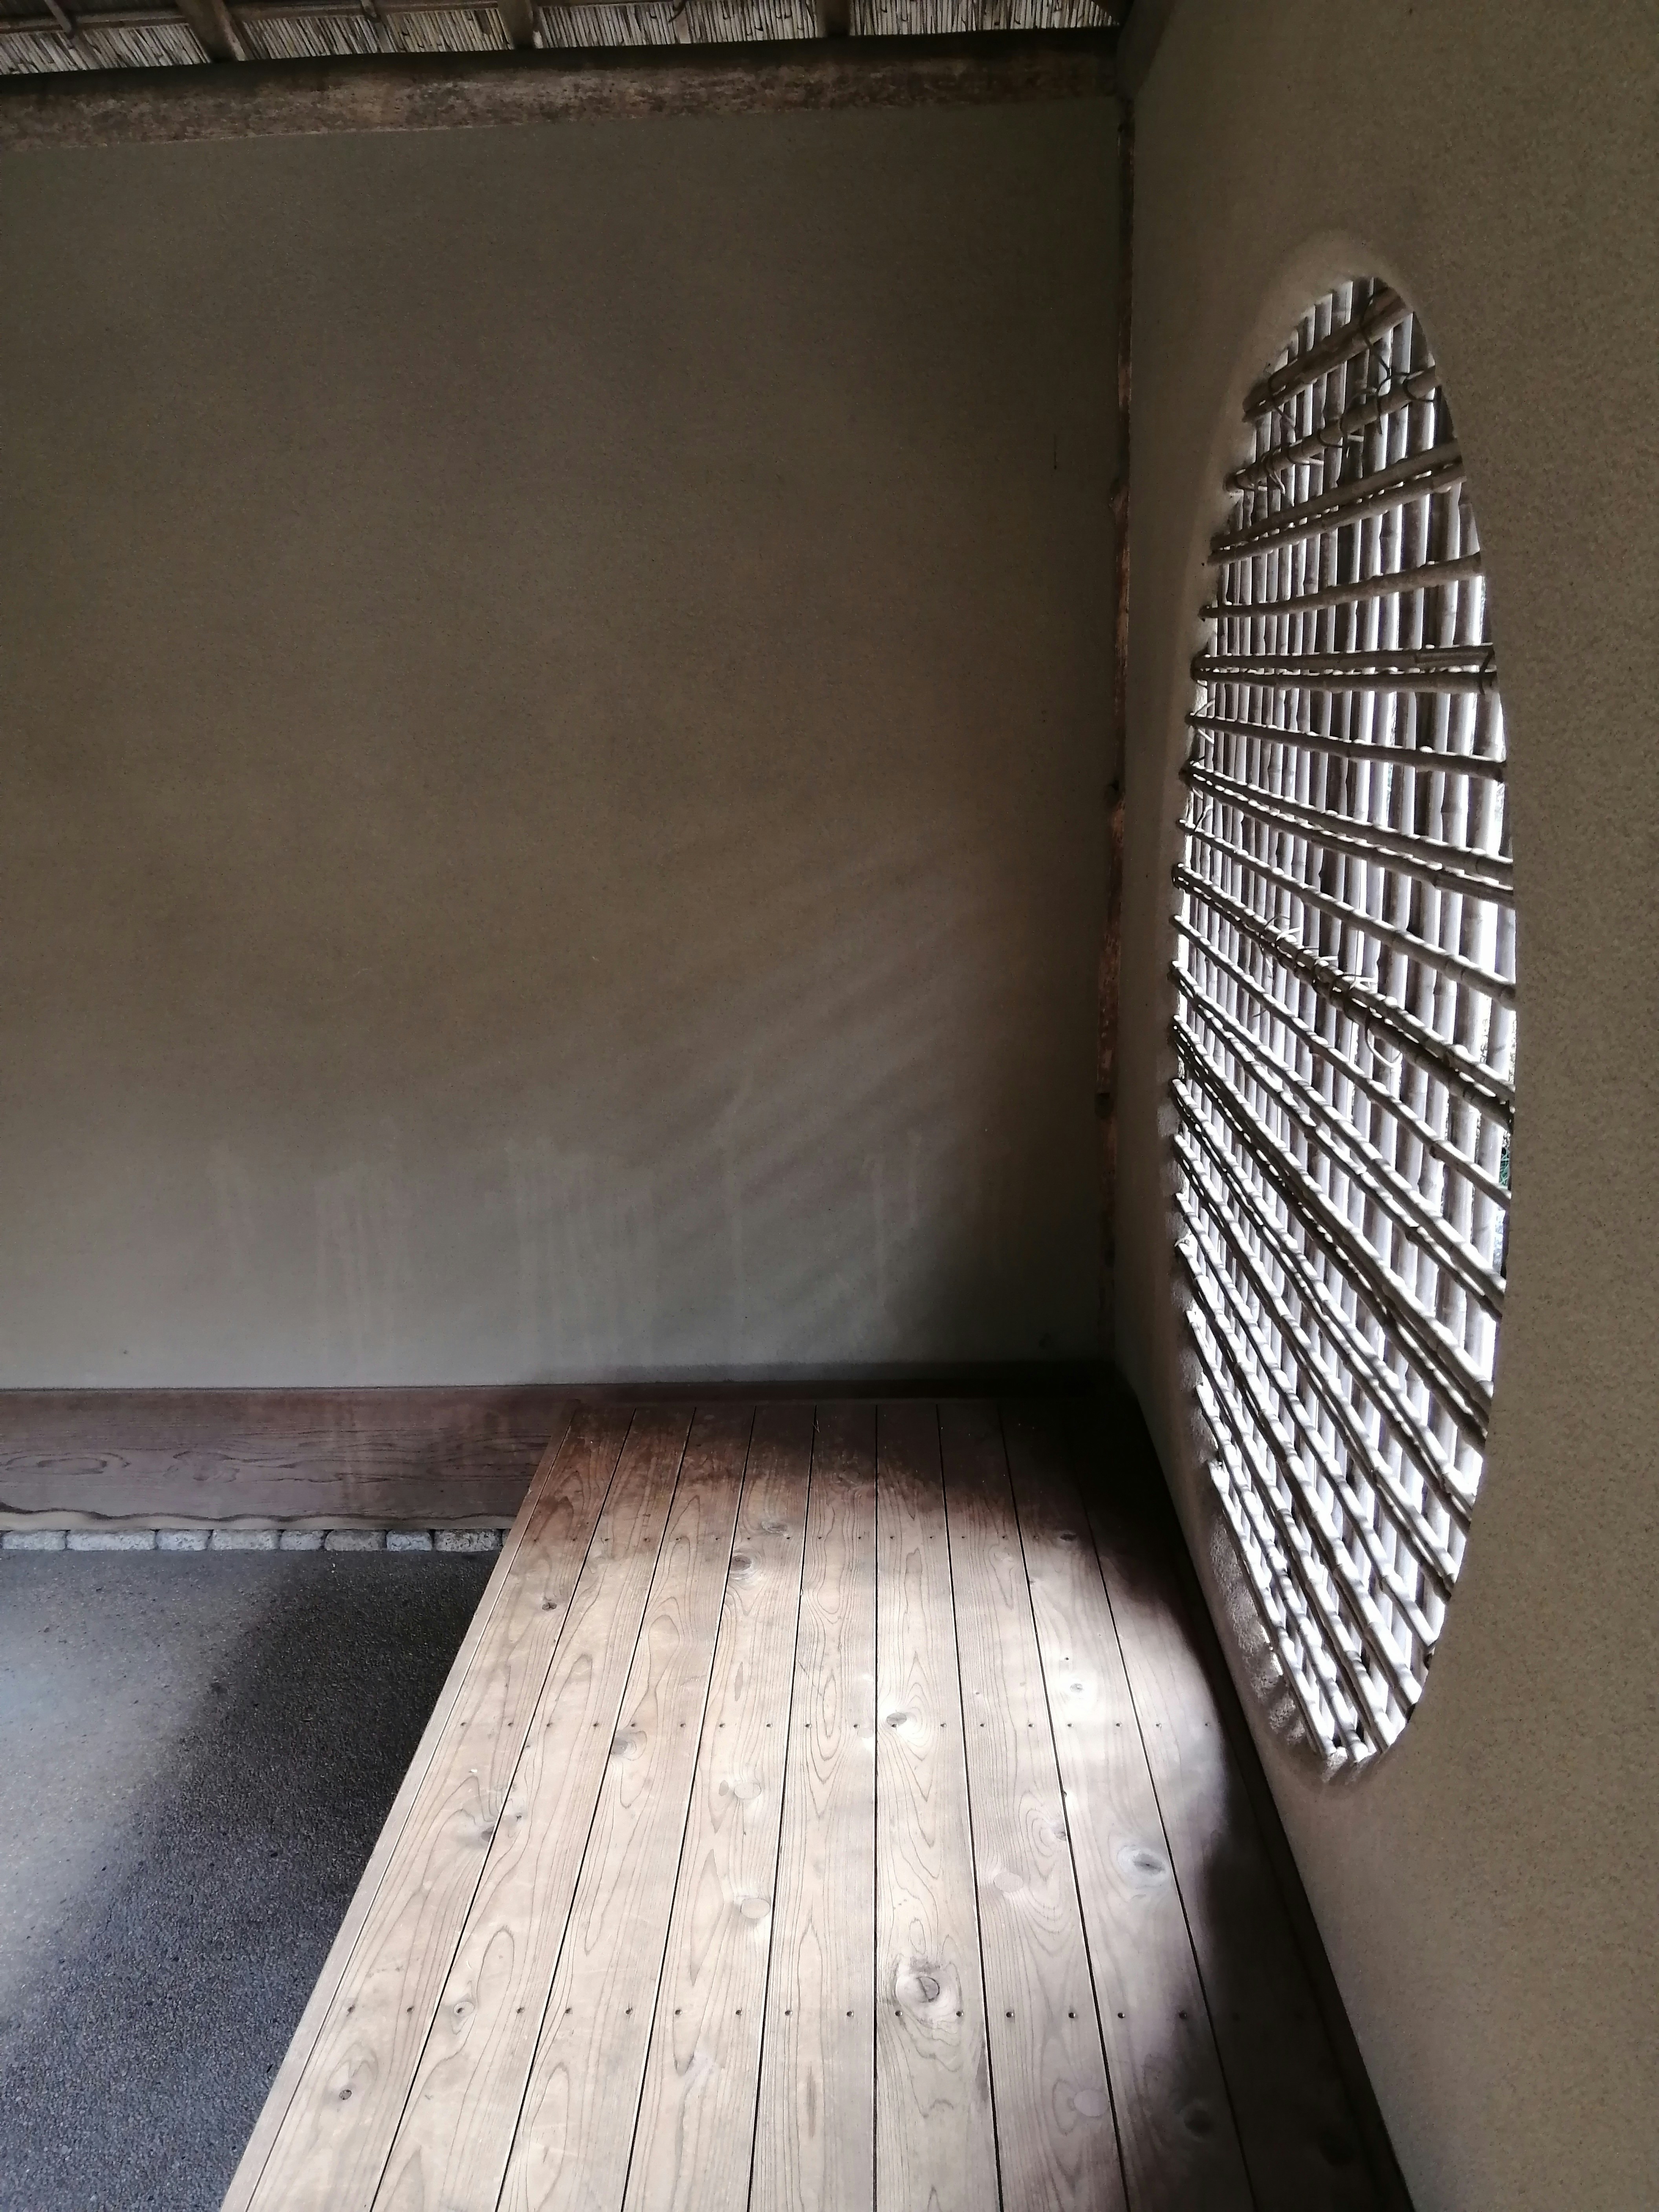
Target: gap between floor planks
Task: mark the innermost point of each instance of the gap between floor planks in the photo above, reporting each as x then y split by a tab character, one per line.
985	1808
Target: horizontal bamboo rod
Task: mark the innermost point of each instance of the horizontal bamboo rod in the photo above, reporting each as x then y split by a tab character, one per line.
1198	1205
1424	1341
1286	1615
1433	577
449	92
1323	1127
1417	477
1422	760
1256	1400
1442	1149
1210	1229
1201	1156
1256	1490
1478	1086
1361	331
1448	868
1420	384
1454	965
1451	669
1428	1341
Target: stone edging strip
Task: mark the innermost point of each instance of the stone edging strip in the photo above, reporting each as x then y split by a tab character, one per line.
251	1540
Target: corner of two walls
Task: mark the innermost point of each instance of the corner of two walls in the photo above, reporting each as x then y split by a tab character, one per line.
1481	1890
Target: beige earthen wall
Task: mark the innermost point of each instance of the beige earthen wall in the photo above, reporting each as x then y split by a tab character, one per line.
1488	1893
554	712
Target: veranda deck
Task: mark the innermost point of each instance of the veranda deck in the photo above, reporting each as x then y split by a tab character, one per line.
827	1808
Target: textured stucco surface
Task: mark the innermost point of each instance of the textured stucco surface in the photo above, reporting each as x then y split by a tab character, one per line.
1487	1892
554	691
198	1755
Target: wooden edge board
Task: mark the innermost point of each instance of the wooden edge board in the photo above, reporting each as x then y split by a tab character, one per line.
462	2106
1057	2142
1137	1449
1174	2116
694	2127
280	2095
1143	1552
135	1524
935	2116
815	2125
448	92
575	2121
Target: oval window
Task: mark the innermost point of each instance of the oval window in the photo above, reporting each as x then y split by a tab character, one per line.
1345	1027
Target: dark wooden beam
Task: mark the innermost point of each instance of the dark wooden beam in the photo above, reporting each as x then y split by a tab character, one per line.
451	91
518	21
215	31
1111	936
418	1458
835	19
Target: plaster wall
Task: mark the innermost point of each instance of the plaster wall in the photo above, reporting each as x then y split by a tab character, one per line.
554	713
1486	1891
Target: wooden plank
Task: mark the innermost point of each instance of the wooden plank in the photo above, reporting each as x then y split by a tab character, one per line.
935	2138
815	2124
449	92
1055	2143
1294	2124
370	1458
694	2139
332	2142
456	2129
454	1457
577	2124
1175	2124
280	2095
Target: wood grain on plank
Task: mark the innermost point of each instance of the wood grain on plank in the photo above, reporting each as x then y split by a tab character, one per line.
379	1458
332	2143
1295	2125
935	2139
697	2122
815	2123
457	2131
1055	2143
577	2126
456	91
289	2074
1174	2125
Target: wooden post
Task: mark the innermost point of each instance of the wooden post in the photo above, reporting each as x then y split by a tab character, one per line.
1106	1065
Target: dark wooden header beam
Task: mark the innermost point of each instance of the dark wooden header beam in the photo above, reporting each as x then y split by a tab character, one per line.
454	92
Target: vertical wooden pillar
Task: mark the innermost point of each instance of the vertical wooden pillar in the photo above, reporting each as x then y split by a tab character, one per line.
1106	1047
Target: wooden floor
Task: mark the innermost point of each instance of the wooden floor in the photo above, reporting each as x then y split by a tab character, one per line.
828	1807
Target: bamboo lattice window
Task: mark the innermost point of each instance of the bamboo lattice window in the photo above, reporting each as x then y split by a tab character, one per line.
1345	1027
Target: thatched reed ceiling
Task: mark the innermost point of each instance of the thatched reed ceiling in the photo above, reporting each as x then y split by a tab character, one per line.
52	37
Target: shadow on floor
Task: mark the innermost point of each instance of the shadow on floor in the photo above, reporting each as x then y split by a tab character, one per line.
138	2043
